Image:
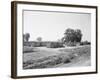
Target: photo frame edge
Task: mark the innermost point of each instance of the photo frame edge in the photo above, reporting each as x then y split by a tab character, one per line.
14	38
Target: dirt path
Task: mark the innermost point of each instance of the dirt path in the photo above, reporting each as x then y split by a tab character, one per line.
83	60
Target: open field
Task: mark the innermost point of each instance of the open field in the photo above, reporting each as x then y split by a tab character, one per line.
42	57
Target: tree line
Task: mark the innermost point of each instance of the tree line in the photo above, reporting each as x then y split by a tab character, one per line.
71	37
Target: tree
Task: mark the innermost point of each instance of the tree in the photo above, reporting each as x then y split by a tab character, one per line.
78	35
26	37
39	39
72	36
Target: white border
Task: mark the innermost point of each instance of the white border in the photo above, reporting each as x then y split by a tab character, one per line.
21	72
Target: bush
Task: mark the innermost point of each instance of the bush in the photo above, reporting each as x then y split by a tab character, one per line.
85	43
70	43
54	45
67	60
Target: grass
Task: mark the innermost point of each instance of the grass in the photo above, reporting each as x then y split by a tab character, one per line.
47	58
27	49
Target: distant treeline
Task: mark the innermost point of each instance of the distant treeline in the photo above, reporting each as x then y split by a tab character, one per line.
49	44
52	44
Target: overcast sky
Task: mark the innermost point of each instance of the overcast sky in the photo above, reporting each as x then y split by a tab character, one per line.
52	25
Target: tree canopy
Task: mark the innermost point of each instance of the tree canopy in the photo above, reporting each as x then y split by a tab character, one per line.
72	35
26	37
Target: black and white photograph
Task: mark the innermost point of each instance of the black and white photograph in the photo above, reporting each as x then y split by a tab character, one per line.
53	39
56	39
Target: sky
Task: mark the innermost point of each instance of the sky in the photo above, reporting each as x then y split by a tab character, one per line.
52	25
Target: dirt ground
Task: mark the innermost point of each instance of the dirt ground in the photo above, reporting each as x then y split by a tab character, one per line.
79	56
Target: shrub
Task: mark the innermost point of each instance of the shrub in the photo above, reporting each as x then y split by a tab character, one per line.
85	43
70	44
67	60
54	45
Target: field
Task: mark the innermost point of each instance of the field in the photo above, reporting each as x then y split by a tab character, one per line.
42	57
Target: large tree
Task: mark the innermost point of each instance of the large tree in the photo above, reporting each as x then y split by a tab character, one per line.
72	36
